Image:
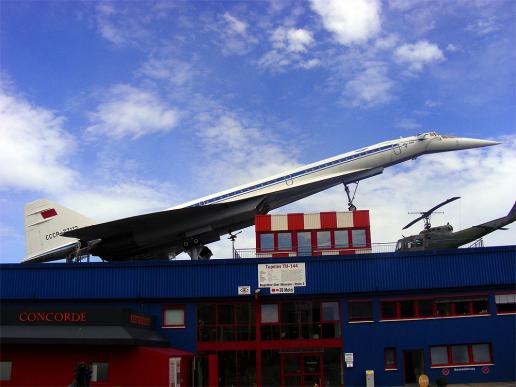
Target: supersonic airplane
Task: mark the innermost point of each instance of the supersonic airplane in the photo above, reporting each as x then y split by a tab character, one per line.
54	232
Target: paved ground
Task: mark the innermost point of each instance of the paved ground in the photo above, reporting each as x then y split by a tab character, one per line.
497	384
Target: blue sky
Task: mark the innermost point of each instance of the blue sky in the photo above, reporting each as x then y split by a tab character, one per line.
120	108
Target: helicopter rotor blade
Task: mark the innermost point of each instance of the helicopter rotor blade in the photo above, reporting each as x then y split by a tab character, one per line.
426	214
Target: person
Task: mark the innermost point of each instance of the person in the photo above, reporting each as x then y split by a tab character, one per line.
82	375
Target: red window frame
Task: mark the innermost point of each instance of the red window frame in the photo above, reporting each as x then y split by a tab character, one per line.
234	325
322	321
173	306
385	365
471	359
360	319
435	300
313	235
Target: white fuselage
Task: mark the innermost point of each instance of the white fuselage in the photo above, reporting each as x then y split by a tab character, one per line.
372	157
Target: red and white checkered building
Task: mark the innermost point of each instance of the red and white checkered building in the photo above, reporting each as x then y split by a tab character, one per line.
322	233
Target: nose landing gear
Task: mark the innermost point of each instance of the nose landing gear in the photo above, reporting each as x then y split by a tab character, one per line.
351	206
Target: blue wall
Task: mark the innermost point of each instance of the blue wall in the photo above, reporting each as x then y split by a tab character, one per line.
146	286
368	340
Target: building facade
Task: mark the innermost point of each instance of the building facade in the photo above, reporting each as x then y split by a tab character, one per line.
291	321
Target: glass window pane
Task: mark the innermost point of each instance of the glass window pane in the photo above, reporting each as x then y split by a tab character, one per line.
360	311
480	306
323	240
462	307
267	241
439	355
206	314
341	239
443	308
390	358
269	313
284	241
330	311
304	243
225	314
460	354
388	309
175	316
245	314
407	309
358	238
425	308
5	370
481	353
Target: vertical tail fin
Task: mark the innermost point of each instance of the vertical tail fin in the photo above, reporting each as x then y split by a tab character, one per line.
45	221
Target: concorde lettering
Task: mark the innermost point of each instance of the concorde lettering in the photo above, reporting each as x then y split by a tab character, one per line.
190	226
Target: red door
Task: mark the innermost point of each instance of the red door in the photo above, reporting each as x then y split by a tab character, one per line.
302	369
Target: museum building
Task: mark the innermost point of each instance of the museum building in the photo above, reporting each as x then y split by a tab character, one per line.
302	320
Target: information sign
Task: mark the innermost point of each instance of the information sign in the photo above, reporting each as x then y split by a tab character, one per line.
282	290
281	275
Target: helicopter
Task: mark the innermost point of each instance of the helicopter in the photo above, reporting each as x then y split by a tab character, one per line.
443	237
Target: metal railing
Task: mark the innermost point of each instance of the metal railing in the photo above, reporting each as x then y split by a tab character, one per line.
387	247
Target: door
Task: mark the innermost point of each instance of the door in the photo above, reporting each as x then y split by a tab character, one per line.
413	364
174	371
302	369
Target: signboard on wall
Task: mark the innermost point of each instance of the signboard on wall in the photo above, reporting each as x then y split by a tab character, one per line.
281	275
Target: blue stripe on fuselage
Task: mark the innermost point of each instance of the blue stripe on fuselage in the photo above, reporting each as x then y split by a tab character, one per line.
296	174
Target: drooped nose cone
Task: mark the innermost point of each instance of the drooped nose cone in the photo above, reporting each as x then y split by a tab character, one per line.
445	144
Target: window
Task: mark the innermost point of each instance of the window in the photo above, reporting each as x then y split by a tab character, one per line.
330	311
439	355
270	313
5	370
267	242
304	243
360	310
341	239
323	239
461	354
284	241
99	372
225	322
505	303
389	310
434	308
389	359
174	316
309	319
358	238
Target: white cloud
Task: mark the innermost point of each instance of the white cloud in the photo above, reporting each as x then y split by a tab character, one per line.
34	147
418	54
174	71
292	39
119	26
431	103
351	21
233	34
240	153
452	47
234	24
132	112
386	42
408	124
117	200
290	48
370	87
484	26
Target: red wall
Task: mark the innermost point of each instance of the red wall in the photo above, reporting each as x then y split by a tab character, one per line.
44	365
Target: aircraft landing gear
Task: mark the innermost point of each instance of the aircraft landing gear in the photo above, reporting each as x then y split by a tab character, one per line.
351	206
196	250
